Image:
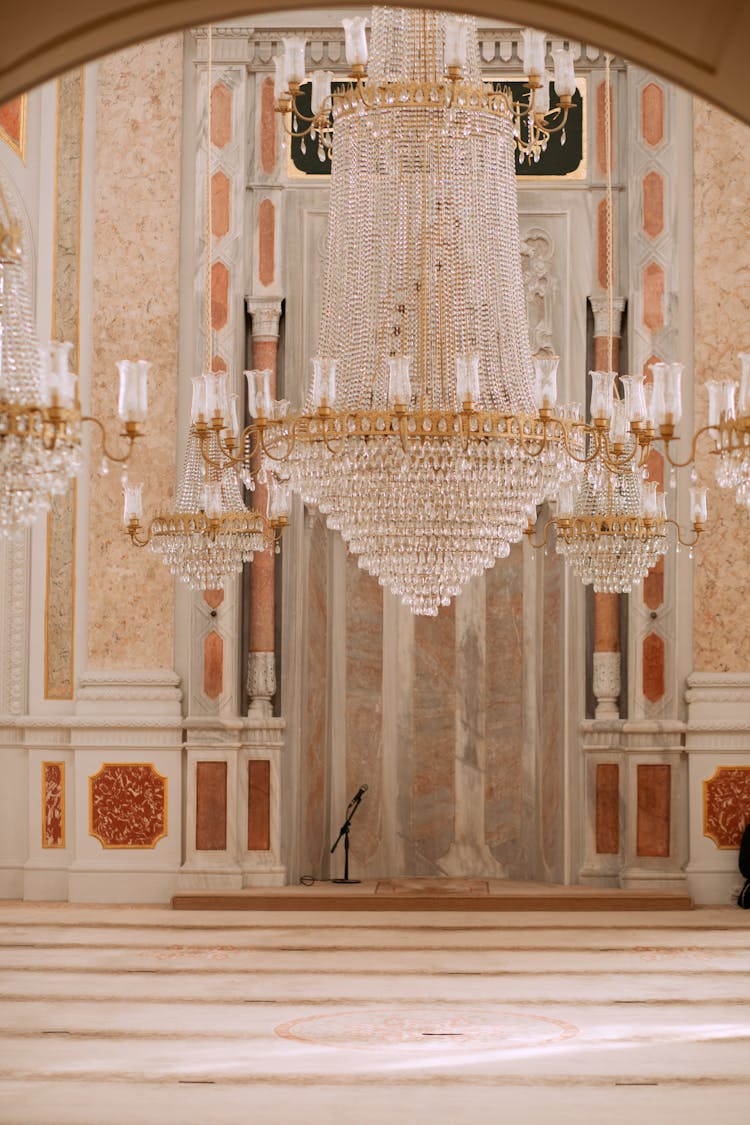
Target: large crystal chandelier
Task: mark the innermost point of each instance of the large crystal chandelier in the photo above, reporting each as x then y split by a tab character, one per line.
40	417
420	439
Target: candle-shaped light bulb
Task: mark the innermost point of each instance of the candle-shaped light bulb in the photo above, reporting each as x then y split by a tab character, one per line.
324	382
618	423
279	502
280	80
133	494
658	405
545	380
728	399
294	51
602	394
263	399
467	378
649	499
399	380
541	96
355	40
131	404
533	52
455	42
635	398
565	78
198	403
743	401
698	506
566	500
212	504
321	91
648	395
673	392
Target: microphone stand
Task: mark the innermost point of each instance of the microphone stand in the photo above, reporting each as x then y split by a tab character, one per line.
344	831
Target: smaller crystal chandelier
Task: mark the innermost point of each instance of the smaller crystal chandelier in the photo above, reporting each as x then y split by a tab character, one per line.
729	425
40	417
210	533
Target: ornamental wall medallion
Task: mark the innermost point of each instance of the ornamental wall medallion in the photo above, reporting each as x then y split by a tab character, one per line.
128	805
726	805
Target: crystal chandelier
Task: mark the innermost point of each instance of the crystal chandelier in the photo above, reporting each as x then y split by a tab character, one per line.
210	533
40	417
420	439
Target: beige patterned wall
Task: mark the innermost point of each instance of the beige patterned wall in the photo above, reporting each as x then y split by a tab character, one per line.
722	328
136	250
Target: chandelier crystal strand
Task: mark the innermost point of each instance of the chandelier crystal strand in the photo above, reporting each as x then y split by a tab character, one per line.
423	267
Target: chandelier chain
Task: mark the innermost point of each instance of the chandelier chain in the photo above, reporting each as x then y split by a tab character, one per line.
208	295
610	216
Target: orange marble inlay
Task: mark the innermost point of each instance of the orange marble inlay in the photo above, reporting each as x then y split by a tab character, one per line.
219	295
53	804
607	808
258	805
268	127
211	806
266	242
219	204
12	123
606	622
128	805
221	115
653	204
653	297
726	805
652	830
213	665
652	114
213	598
653	585
653	667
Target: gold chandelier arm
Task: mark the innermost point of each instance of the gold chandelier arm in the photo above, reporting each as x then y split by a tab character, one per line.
589	431
693	446
132	431
139	536
288	438
697	529
530	530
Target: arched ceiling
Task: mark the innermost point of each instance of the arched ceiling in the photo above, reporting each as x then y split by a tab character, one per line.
700	44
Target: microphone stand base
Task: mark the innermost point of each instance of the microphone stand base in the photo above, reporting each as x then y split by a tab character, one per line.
346	880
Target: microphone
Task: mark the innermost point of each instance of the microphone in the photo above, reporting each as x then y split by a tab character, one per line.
359	794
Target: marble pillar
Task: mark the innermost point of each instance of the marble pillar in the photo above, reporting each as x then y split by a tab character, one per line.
261	661
607	606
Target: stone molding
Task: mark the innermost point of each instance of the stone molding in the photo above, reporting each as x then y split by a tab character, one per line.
159	684
607	684
265	318
600	309
261	681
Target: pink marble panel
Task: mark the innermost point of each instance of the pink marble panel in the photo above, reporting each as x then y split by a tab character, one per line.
213	598
726	805
128	805
53	804
653	204
266	242
314	844
721	236
221	115
652	114
12	123
211	806
653	297
219	295
220	204
434	717
213	665
607	808
268	127
364	703
504	712
654	655
653	827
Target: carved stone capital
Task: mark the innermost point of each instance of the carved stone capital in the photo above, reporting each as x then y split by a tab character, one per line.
600	309
261	681
607	684
265	318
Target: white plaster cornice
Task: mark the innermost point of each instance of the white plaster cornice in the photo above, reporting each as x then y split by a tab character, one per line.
265	318
600	309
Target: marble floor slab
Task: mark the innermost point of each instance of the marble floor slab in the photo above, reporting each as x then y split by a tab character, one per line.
140	1015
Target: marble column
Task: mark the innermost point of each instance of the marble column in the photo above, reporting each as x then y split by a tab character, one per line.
607	606
261	661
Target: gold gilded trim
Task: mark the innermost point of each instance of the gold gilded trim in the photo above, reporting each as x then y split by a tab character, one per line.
45	845
706	782
17	146
165	808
